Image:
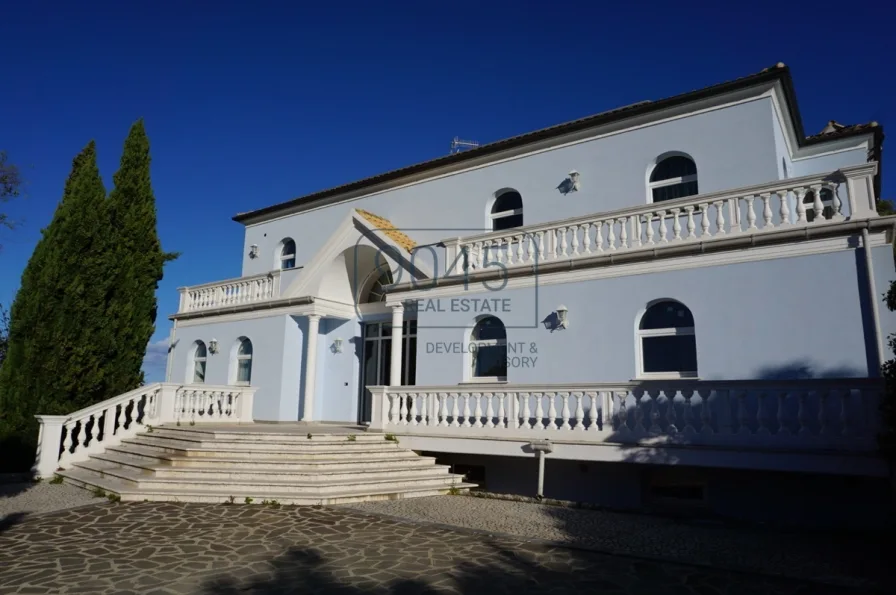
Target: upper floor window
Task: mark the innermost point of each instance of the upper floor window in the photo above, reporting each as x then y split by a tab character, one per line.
490	353
244	361
287	254
377	294
674	176
200	355
507	211
668	345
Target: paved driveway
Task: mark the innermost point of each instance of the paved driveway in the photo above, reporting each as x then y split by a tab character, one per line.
218	549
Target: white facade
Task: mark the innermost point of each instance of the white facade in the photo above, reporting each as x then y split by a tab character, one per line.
564	258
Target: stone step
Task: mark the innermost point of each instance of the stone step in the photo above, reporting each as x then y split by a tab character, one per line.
243	444
434	478
126	457
316	474
359	494
270	452
284	437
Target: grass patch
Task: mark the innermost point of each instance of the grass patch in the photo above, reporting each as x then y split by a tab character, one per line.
248	500
99	492
57	479
453	491
391	438
113	497
352	438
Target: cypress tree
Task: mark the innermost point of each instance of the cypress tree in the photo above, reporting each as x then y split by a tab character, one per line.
139	261
58	338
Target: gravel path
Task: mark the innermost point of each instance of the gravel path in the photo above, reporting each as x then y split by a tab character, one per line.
833	558
24	498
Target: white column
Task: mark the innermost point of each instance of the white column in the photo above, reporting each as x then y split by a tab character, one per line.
395	368
310	366
49	439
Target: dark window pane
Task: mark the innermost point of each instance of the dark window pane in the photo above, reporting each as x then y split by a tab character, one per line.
508	222
489	328
288	263
670	354
410	368
673	167
667	315
289	248
386	358
491	360
508	201
675	191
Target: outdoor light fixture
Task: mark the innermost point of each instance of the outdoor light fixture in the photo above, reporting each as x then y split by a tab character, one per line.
213	346
253	251
562	316
337	345
573	178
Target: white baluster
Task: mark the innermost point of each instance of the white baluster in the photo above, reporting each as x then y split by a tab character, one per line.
592	412
671	417
662	227
540	236
720	218
691	225
783	430
676	225
648	221
785	208
443	410
489	411
502	423
586	238
519	248
817	204
564	413
527	414
574	230
654	399
800	194
835	202
580	412
413	412
766	210
455	410
611	235
802	414
599	236
622	413
704	220
705	413
751	214
477	411
639	413
514	412
539	412
393	408
552	412
688	395
623	233
636	230
467	413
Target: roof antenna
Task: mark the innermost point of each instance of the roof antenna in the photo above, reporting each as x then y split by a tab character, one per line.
458	145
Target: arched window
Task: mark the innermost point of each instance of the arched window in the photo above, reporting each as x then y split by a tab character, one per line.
668	346
200	354
827	201
507	211
287	254
673	177
489	349
244	361
377	294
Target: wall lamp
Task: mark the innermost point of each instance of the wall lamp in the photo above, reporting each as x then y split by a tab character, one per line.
562	316
253	251
213	346
337	345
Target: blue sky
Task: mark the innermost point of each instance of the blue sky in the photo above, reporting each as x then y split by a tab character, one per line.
250	104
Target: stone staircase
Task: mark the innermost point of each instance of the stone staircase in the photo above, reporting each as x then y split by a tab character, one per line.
264	463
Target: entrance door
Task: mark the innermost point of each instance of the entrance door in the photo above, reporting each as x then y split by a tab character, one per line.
376	359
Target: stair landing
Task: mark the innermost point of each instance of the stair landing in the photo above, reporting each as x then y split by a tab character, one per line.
305	464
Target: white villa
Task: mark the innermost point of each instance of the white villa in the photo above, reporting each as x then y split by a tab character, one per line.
674	305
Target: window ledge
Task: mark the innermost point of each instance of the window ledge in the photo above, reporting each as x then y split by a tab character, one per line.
664	376
485	380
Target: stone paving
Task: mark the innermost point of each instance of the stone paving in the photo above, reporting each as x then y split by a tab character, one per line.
836	558
158	548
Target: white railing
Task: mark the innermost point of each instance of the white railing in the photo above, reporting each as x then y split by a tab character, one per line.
798	202
233	292
67	439
815	414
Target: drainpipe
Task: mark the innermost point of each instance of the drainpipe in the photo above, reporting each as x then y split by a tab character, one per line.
541	448
872	290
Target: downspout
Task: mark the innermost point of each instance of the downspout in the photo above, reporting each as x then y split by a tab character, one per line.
872	291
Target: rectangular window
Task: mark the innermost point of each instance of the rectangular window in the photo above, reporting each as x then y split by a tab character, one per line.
199	372
671	353
244	371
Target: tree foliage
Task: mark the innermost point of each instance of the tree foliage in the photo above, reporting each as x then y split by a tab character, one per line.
10	185
86	307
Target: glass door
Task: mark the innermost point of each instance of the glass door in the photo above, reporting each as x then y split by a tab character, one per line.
376	359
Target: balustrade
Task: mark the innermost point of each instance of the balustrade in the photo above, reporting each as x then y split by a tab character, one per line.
811	413
758	209
234	292
67	439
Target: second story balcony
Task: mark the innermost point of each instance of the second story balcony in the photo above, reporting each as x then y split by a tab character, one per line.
832	203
